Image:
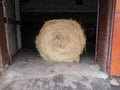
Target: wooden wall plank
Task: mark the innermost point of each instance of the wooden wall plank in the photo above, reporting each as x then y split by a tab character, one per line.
3	45
103	35
10	27
115	58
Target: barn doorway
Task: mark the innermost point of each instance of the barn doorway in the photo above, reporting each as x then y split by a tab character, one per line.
34	14
26	64
32	19
84	13
33	22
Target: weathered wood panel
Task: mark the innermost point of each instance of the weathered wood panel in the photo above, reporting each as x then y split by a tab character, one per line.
3	46
115	55
10	26
104	33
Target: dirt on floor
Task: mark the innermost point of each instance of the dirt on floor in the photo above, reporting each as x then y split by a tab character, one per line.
31	72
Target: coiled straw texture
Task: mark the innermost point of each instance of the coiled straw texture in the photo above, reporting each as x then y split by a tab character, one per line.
61	40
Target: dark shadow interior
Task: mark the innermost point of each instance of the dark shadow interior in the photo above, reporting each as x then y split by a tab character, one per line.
32	21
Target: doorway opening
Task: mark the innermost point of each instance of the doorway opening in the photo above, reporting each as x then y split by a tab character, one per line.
33	17
22	22
33	14
28	64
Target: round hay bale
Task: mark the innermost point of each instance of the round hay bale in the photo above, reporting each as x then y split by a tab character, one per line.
61	40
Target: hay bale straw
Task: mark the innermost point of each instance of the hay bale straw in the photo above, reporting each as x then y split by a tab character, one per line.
61	40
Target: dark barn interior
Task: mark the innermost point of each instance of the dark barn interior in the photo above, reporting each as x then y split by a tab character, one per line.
33	17
32	23
21	22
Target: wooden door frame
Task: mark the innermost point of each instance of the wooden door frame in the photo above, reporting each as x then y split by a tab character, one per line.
115	47
112	13
3	44
97	24
110	26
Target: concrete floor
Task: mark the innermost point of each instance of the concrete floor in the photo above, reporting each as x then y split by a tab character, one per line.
31	72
